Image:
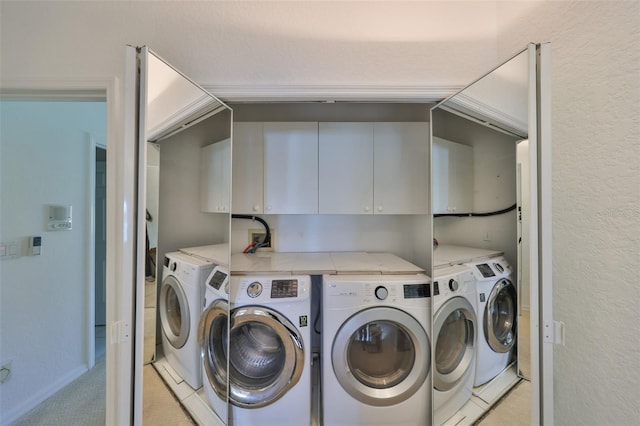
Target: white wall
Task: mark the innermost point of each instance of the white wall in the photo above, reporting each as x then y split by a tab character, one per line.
596	199
494	187
317	233
43	301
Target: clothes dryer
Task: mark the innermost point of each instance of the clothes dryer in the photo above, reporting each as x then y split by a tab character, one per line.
376	350
455	334
180	305
270	350
496	306
212	339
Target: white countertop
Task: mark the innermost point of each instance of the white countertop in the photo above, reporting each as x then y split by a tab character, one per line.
216	253
321	263
447	255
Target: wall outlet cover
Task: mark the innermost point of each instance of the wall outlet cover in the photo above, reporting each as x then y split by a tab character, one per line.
257	235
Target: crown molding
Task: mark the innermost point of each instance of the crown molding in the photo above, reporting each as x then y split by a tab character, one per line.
485	112
283	93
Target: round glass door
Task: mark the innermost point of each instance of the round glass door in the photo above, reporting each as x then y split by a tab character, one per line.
213	338
174	312
454	327
500	316
381	356
266	356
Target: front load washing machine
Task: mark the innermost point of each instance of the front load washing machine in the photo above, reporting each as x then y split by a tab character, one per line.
212	338
181	300
376	350
270	350
454	331
496	307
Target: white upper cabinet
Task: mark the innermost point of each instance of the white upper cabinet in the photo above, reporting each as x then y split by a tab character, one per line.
452	177
290	168
248	168
346	168
401	168
215	177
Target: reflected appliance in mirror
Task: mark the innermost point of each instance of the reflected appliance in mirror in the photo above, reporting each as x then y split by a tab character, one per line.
482	200
183	228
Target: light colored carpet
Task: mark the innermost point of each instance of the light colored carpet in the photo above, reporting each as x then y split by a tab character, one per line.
513	410
81	403
160	407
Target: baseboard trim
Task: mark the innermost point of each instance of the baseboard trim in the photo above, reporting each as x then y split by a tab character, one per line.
29	404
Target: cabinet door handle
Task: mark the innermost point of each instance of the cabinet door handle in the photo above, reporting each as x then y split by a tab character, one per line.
380	209
367	209
268	208
256	207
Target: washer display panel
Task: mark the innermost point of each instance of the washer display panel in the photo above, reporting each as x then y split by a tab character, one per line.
381	356
455	329
500	315
174	312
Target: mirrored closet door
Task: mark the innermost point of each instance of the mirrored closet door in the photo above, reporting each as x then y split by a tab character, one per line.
484	262
184	215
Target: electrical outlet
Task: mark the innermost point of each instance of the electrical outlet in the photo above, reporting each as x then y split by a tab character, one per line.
257	236
5	371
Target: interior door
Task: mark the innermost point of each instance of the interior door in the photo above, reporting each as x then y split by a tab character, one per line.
101	238
171	110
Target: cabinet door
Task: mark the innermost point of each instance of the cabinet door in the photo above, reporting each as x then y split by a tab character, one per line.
215	177
248	169
452	177
401	165
291	168
345	168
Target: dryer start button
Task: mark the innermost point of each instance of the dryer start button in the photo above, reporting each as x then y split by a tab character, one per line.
381	292
254	290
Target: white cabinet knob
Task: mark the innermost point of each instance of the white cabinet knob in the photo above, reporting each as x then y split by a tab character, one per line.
367	209
379	208
256	207
267	208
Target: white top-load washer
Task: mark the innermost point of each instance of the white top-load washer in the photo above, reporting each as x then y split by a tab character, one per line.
455	335
212	338
270	350
496	307
181	301
376	355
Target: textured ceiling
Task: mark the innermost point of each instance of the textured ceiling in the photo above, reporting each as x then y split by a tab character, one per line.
257	43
